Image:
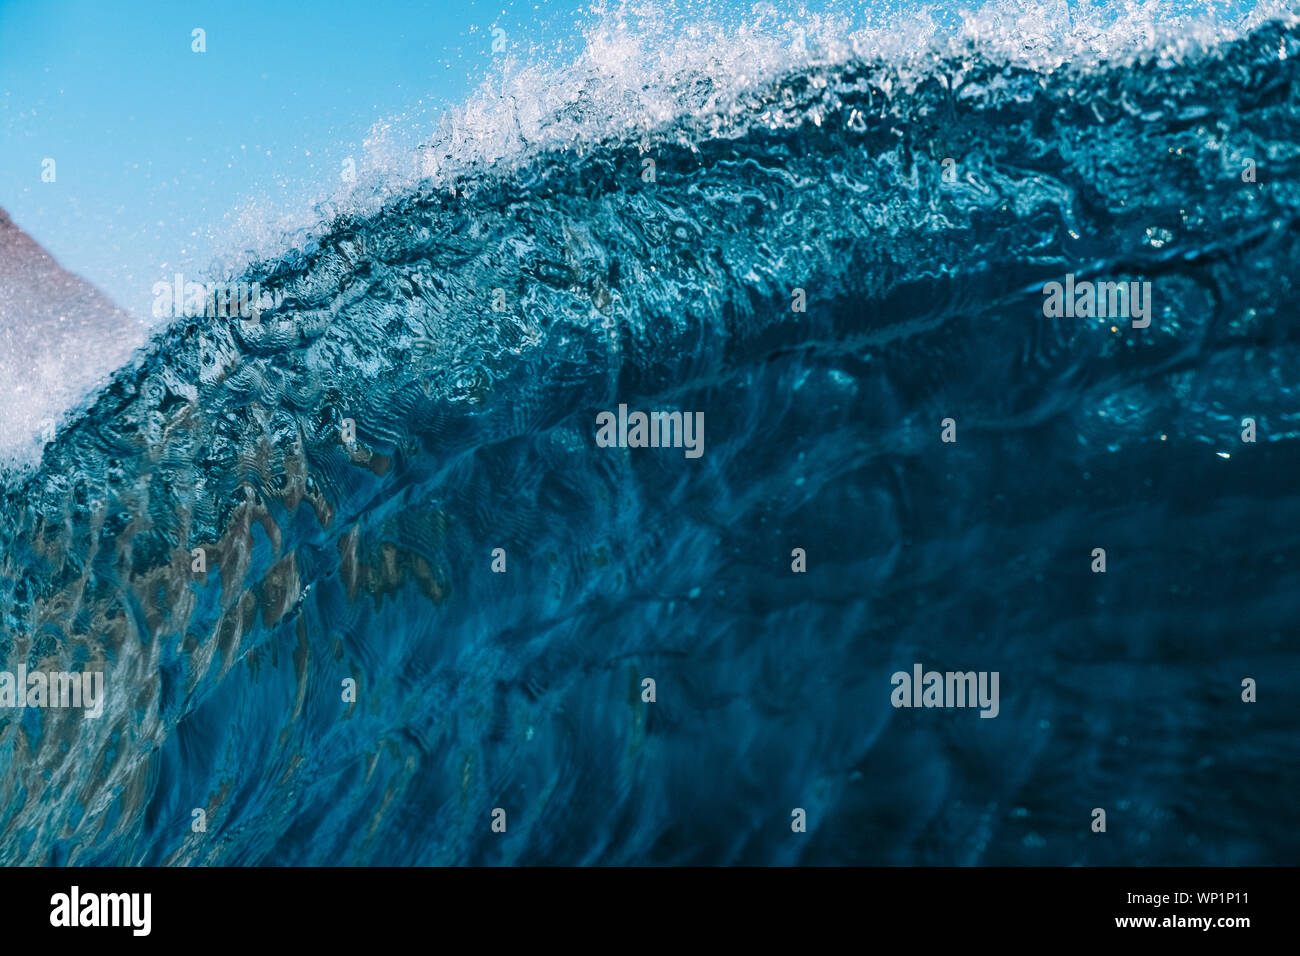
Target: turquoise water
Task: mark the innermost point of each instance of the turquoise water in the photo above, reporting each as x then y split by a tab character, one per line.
474	418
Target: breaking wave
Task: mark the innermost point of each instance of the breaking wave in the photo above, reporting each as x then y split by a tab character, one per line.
425	393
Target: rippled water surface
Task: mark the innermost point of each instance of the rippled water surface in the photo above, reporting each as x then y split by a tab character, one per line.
475	431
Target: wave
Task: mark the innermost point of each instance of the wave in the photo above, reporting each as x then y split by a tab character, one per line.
424	394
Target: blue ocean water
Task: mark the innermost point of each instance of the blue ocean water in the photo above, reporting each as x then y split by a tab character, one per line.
471	326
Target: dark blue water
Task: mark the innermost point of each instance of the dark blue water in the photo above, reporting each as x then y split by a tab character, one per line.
475	430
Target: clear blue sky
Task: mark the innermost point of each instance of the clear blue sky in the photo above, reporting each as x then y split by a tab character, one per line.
154	144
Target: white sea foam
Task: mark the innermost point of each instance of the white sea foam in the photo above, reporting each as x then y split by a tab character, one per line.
643	67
